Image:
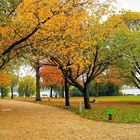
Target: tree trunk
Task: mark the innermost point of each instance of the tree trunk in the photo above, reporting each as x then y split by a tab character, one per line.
37	84
51	89
12	94
67	103
86	99
2	96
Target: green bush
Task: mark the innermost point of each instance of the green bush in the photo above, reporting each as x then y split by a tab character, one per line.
108	89
91	89
74	92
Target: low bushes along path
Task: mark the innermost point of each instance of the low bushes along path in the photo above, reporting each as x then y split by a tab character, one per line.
29	121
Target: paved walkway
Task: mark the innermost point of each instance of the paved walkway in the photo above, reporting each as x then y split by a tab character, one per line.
28	121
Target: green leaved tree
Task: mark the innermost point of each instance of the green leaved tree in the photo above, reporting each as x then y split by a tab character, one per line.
26	86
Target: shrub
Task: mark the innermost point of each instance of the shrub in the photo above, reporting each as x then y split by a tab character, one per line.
74	92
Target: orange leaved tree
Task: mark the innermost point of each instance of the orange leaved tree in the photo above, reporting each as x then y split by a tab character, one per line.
5	80
52	76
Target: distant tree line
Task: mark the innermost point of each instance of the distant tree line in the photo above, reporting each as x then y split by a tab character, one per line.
104	89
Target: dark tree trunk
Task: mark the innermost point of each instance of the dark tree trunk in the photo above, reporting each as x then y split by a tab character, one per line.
38	98
51	89
2	96
12	94
67	103
86	99
136	80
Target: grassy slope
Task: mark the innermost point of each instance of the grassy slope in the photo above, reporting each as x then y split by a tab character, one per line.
126	108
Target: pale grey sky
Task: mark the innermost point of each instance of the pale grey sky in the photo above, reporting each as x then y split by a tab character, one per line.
133	5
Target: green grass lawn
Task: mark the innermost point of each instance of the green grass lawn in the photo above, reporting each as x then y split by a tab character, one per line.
126	108
118	98
120	115
125	115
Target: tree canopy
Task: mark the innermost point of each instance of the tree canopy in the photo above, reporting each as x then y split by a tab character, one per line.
71	38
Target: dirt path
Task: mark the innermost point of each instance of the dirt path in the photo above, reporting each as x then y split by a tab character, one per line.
28	121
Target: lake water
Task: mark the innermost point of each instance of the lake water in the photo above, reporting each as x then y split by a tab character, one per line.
130	91
135	92
42	93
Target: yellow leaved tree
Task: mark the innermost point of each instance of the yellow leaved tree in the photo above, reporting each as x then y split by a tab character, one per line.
5	80
84	54
29	18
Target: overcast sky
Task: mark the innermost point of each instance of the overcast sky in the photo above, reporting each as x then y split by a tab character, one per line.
133	5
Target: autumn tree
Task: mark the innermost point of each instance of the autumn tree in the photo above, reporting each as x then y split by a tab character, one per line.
33	20
13	70
33	58
28	19
5	80
85	54
52	77
60	44
51	28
